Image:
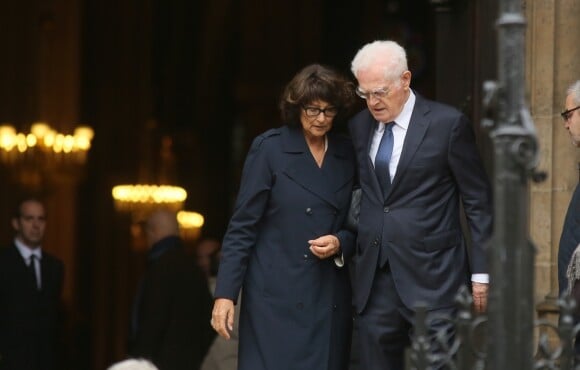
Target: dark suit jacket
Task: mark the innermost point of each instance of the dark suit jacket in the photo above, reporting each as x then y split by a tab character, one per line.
173	310
569	239
296	309
419	221
29	318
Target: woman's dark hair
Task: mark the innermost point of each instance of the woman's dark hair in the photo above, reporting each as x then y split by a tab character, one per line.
316	82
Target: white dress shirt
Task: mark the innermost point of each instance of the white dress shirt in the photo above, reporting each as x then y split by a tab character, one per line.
399	132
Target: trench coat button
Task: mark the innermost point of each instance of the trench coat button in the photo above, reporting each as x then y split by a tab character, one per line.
334	307
308	211
305	256
375	242
299	306
386	210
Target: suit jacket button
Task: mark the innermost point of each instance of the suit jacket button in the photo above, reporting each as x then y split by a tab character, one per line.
375	242
386	209
308	211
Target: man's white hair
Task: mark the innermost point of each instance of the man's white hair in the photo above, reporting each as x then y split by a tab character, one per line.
389	54
574	90
133	364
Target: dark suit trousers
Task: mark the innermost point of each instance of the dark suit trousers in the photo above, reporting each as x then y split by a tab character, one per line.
385	326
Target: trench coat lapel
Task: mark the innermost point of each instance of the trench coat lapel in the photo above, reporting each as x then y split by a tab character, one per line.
303	169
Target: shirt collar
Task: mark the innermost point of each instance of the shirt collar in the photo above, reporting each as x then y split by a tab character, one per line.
25	251
403	119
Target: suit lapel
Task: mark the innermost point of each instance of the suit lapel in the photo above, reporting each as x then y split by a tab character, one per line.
303	169
45	272
335	168
415	134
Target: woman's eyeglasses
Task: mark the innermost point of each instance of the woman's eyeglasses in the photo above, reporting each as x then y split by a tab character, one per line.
315	111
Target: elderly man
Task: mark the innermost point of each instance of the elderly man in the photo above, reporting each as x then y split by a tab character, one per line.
417	162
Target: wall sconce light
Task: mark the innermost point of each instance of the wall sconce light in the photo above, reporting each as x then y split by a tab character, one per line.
190	224
44	146
140	199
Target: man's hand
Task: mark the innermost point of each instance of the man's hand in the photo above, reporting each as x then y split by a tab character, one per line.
325	246
479	293
222	317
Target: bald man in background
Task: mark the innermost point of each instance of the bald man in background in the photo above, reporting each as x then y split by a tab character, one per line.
170	322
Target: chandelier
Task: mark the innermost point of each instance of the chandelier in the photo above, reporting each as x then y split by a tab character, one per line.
155	188
44	147
142	198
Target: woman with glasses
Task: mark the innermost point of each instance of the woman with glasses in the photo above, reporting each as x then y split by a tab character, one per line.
284	243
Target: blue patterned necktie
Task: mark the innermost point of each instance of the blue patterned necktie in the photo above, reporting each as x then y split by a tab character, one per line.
383	158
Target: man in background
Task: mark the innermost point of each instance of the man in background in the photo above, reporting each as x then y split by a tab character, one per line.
570	238
30	295
133	364
207	258
223	353
173	304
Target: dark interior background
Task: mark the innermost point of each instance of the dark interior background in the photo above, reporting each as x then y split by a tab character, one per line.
204	78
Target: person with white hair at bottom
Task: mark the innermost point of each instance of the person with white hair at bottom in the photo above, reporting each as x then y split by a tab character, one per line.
133	364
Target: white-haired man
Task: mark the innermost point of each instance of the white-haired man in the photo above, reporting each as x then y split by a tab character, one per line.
417	162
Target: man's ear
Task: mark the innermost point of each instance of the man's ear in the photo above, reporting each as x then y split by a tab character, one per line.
406	77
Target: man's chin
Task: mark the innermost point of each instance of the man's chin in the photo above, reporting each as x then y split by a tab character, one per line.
381	116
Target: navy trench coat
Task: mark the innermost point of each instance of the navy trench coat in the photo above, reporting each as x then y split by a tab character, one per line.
296	309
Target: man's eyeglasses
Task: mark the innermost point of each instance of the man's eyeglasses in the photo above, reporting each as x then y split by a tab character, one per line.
568	113
379	93
315	111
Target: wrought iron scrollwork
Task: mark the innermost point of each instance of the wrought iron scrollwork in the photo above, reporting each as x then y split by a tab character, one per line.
458	349
465	349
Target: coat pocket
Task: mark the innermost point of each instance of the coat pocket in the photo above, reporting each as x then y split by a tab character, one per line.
442	240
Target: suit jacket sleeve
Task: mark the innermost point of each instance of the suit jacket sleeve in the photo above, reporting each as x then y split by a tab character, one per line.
475	190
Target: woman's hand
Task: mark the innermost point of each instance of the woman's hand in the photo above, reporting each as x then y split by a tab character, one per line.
222	317
325	246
